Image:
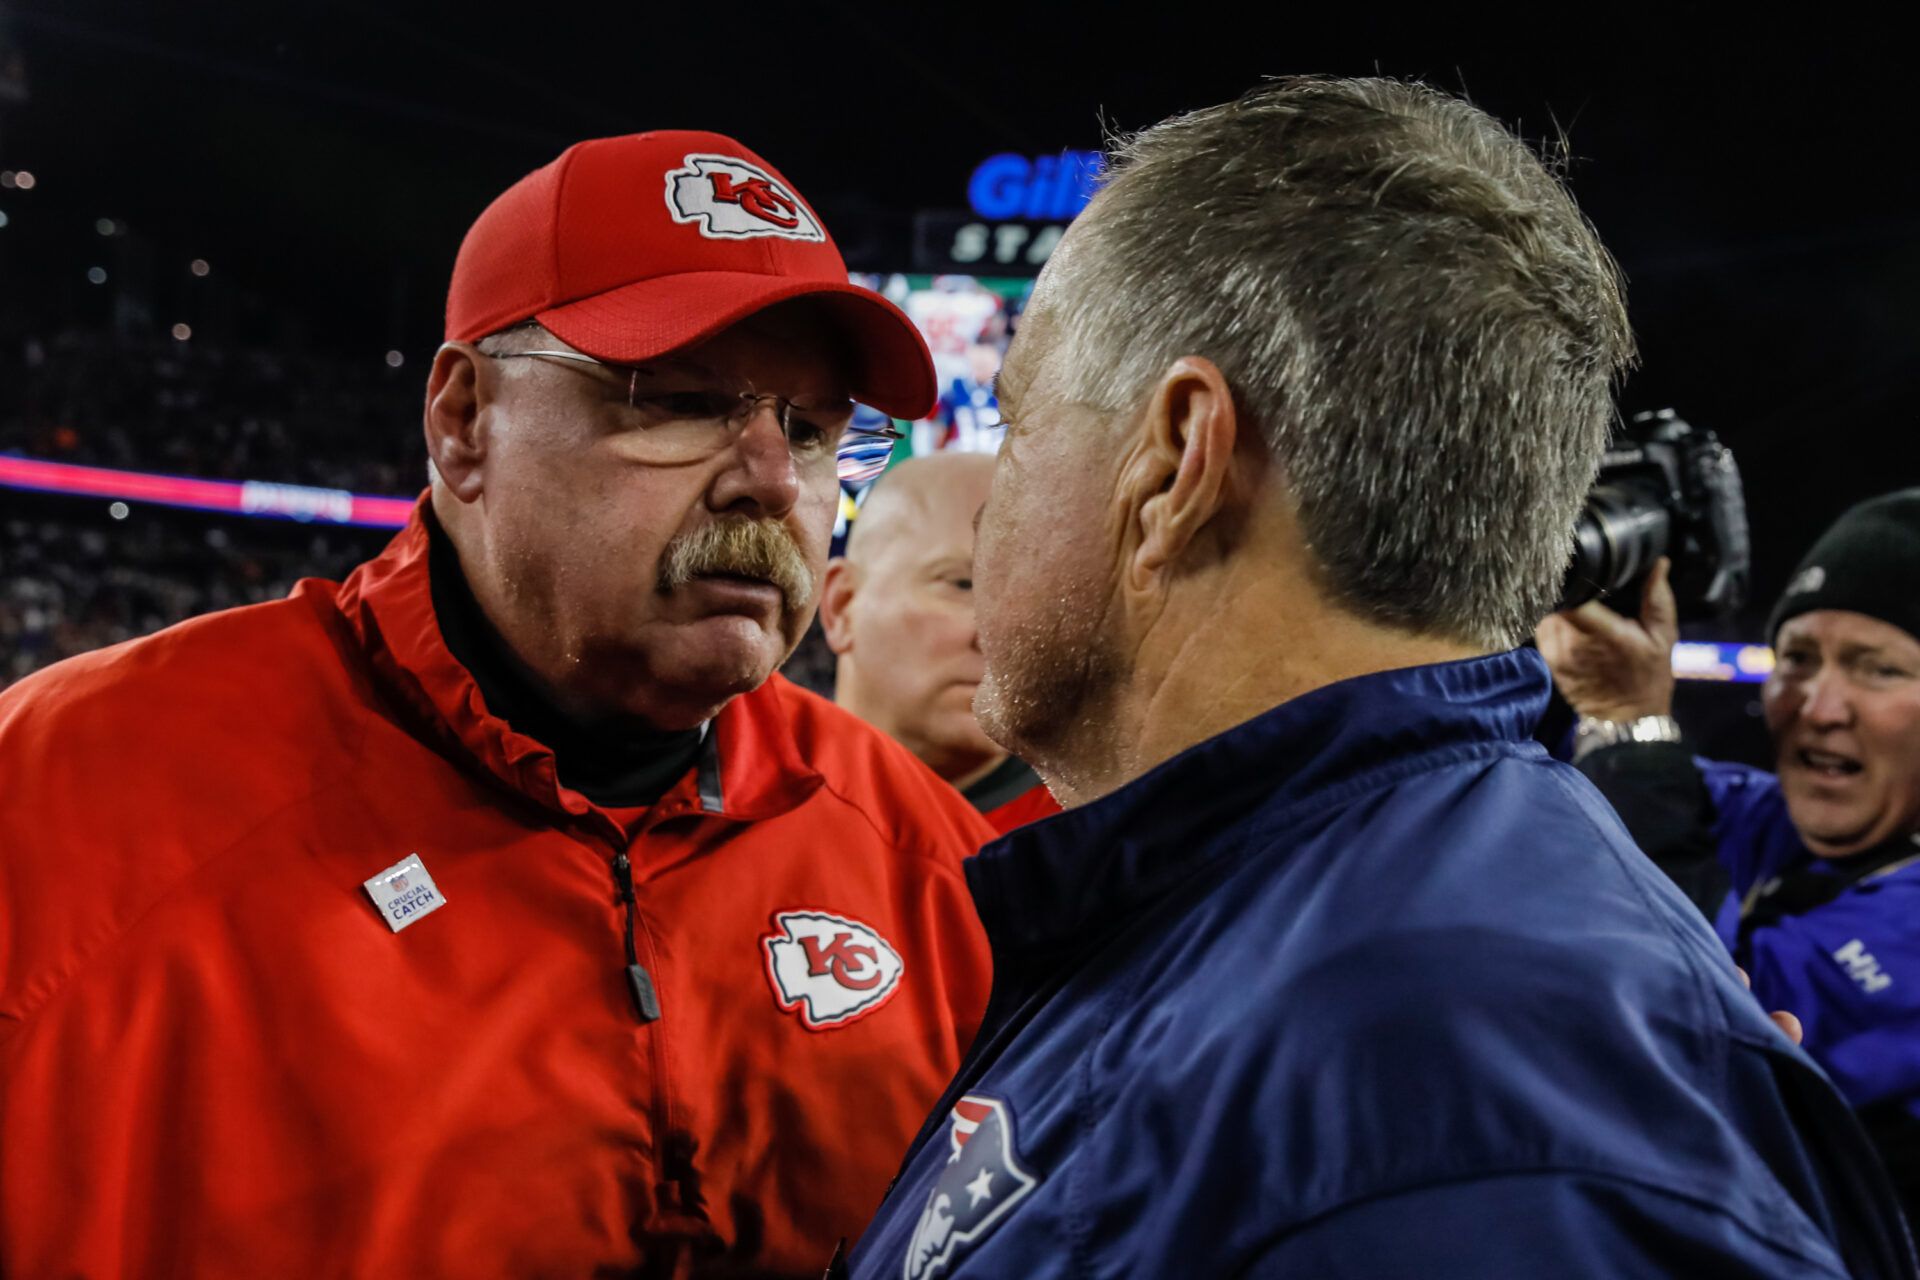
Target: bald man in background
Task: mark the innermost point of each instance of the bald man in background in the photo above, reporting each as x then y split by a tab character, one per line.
897	610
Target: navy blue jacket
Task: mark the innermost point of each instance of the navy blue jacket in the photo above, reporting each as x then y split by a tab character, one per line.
1371	987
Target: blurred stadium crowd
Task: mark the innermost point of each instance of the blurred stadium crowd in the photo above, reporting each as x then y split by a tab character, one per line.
203	409
70	584
77	574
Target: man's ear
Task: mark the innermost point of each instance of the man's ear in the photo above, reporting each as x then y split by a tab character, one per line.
836	604
1178	475
456	440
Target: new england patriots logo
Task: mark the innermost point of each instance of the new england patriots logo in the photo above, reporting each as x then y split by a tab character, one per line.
982	1182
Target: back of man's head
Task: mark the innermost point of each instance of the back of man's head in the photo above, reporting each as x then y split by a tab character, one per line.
1409	306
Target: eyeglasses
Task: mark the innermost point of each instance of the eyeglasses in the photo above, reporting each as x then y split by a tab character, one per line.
688	425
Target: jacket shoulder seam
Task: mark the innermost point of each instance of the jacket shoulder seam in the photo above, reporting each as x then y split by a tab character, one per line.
1703	1003
916	844
1350	790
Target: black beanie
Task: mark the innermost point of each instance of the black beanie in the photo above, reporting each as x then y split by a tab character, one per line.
1868	562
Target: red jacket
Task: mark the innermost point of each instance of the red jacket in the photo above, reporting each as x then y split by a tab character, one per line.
217	1058
1031	805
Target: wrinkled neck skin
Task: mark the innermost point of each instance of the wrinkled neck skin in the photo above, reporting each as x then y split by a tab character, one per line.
956	765
1217	649
963	779
473	567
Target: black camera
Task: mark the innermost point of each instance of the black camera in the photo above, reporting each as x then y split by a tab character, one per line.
1666	488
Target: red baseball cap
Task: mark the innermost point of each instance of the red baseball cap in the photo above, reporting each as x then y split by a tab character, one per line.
628	248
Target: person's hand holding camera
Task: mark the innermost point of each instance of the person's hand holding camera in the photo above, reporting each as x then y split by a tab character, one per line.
1615	668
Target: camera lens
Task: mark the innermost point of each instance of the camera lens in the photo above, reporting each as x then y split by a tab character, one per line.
1620	533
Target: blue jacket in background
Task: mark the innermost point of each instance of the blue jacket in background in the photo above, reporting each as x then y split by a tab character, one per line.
1371	987
1849	968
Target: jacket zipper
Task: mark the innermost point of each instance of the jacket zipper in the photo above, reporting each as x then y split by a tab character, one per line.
678	1189
646	1003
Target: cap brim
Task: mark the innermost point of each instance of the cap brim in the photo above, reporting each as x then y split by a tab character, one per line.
893	371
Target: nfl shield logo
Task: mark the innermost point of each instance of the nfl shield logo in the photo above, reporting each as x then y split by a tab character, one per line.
981	1184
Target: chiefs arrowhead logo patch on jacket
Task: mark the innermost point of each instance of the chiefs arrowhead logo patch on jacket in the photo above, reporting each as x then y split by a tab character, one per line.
828	969
729	199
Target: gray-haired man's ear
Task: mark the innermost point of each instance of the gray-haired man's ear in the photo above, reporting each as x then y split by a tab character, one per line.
1180	472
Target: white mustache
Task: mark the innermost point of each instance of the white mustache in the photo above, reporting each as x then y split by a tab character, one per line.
746	548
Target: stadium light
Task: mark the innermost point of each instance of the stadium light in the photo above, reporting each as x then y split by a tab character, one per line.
96	275
105	226
199	266
395	359
181	332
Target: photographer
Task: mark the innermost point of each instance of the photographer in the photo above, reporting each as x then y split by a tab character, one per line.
1823	855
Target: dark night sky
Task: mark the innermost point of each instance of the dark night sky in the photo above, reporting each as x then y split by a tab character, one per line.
1754	175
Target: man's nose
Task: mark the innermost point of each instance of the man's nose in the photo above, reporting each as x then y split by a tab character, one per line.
1827	703
760	473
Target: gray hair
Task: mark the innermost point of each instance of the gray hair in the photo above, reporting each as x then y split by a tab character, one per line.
1408	303
524	336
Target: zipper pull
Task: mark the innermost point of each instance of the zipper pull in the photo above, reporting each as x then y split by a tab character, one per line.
646	1001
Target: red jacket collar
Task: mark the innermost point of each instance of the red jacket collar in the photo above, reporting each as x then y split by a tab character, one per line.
750	767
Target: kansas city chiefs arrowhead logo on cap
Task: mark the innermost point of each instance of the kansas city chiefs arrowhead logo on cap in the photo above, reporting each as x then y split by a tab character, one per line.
729	199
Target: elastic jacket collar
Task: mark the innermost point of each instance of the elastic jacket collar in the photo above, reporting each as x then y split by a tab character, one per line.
1065	878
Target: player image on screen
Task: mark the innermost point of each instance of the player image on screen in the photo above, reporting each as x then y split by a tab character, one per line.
966	322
